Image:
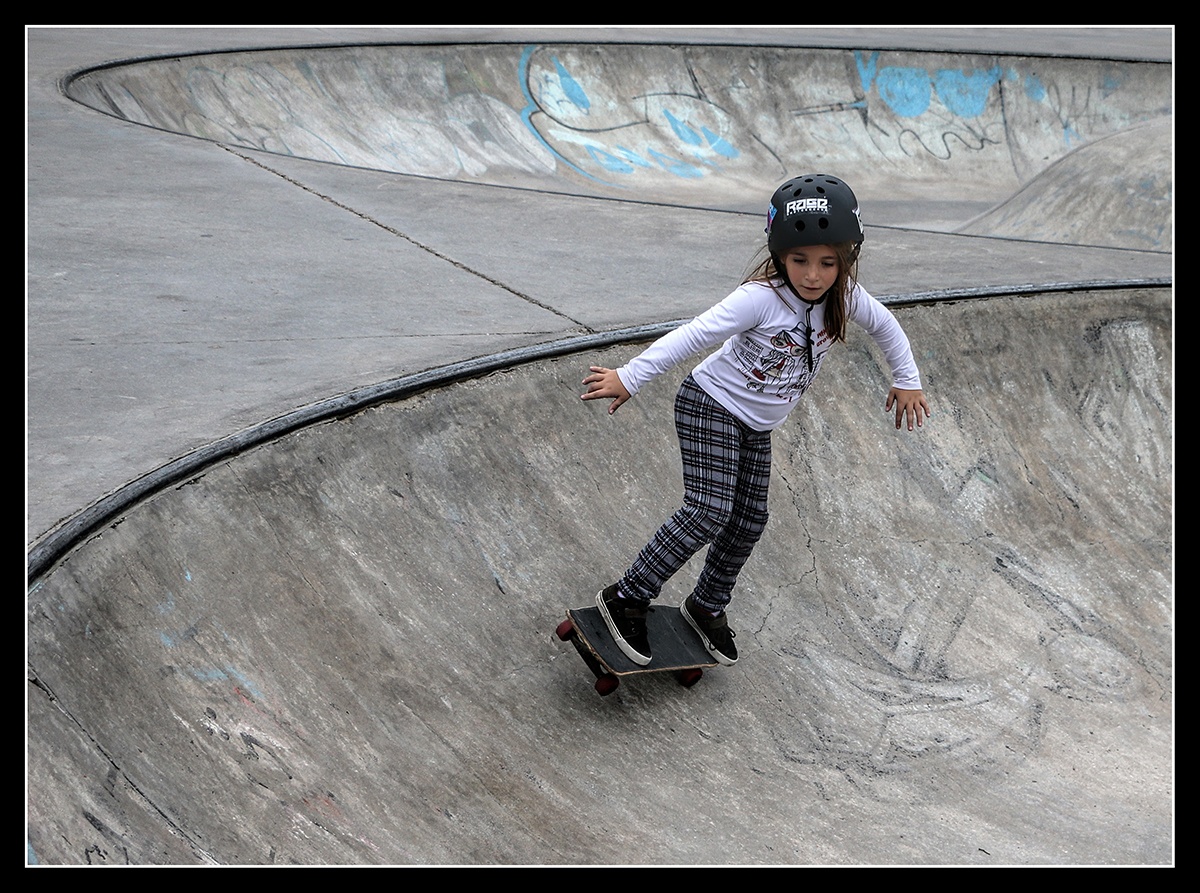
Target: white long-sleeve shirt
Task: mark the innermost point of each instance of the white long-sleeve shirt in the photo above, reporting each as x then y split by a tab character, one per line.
762	367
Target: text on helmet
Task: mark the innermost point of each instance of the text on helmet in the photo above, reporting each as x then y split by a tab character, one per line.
807	204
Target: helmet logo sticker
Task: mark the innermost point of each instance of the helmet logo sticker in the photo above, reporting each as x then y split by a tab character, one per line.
821	205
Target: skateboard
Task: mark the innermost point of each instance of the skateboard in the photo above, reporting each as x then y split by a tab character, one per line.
677	647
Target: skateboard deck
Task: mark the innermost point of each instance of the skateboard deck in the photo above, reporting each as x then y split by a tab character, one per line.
677	647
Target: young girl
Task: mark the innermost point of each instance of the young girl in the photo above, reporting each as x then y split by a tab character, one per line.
775	330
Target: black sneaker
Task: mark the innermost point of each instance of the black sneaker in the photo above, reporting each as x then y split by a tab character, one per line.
626	621
714	632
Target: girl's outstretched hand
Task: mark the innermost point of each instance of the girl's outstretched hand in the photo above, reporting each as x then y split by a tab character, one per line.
909	405
604	383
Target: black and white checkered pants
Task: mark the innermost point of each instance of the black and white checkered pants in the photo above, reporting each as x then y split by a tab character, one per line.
726	471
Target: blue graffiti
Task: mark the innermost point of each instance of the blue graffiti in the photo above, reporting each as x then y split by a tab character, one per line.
909	91
632	157
571	88
609	162
531	108
1035	90
906	91
866	69
682	131
614	164
966	94
696	139
719	144
714	140
677	167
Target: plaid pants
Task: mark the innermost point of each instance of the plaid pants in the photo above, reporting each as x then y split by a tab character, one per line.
726	471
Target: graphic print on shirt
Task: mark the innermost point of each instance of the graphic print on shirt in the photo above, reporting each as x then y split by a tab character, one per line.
782	367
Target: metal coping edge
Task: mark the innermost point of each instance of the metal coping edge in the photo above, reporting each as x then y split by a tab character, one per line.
54	545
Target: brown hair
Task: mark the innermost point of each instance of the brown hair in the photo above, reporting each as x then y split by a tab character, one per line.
765	269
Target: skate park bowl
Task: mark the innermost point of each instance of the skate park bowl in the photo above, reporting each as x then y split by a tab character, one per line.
328	639
697	126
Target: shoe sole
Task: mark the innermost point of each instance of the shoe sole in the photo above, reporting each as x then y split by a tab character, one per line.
628	650
721	658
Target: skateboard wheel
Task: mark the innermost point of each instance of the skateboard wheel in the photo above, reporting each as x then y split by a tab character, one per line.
688	678
607	684
565	631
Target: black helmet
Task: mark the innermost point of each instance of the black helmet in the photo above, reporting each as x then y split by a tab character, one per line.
815	209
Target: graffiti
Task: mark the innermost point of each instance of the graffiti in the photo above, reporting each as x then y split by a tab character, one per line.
623	131
908	92
658	119
679	134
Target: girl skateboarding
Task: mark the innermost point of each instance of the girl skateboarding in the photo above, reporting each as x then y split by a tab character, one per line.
774	331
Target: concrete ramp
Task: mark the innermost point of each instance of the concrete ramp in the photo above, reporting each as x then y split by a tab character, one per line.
1116	192
931	138
337	647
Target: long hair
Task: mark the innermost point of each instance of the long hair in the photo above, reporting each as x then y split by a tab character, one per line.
764	269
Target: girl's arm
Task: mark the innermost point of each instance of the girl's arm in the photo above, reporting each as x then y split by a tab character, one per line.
906	393
736	313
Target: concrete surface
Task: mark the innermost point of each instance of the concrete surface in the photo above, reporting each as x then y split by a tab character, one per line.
265	282
294	565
